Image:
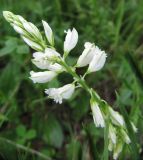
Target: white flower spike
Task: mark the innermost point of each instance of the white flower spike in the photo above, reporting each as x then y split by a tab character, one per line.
42	77
71	40
98	60
58	94
97	115
48	32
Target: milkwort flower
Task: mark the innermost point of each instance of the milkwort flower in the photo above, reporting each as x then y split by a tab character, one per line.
58	94
47	58
42	77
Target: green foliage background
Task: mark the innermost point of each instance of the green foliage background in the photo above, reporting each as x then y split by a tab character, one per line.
46	130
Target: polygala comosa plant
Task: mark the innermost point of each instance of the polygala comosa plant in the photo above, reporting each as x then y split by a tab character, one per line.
52	63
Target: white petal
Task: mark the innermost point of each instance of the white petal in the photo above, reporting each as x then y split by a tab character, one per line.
97	115
67	91
98	60
48	32
55	67
51	53
87	55
71	40
42	77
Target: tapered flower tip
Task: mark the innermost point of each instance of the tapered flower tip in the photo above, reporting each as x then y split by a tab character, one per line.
71	40
8	16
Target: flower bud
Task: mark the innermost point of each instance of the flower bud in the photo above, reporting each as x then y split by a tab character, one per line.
125	136
70	40
32	44
8	16
18	29
58	94
48	32
98	60
117	149
97	114
32	29
112	134
42	77
116	118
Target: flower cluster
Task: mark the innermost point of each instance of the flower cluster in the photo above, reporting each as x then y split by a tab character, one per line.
53	63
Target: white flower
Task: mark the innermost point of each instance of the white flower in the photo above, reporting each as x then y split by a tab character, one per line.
116	118
97	115
48	33
58	94
32	44
32	29
42	77
98	60
87	55
41	60
70	40
112	134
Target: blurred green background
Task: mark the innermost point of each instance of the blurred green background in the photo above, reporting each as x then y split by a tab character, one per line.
46	130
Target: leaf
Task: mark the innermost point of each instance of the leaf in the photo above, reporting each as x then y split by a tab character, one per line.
30	134
22	49
10	46
21	130
73	149
53	133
